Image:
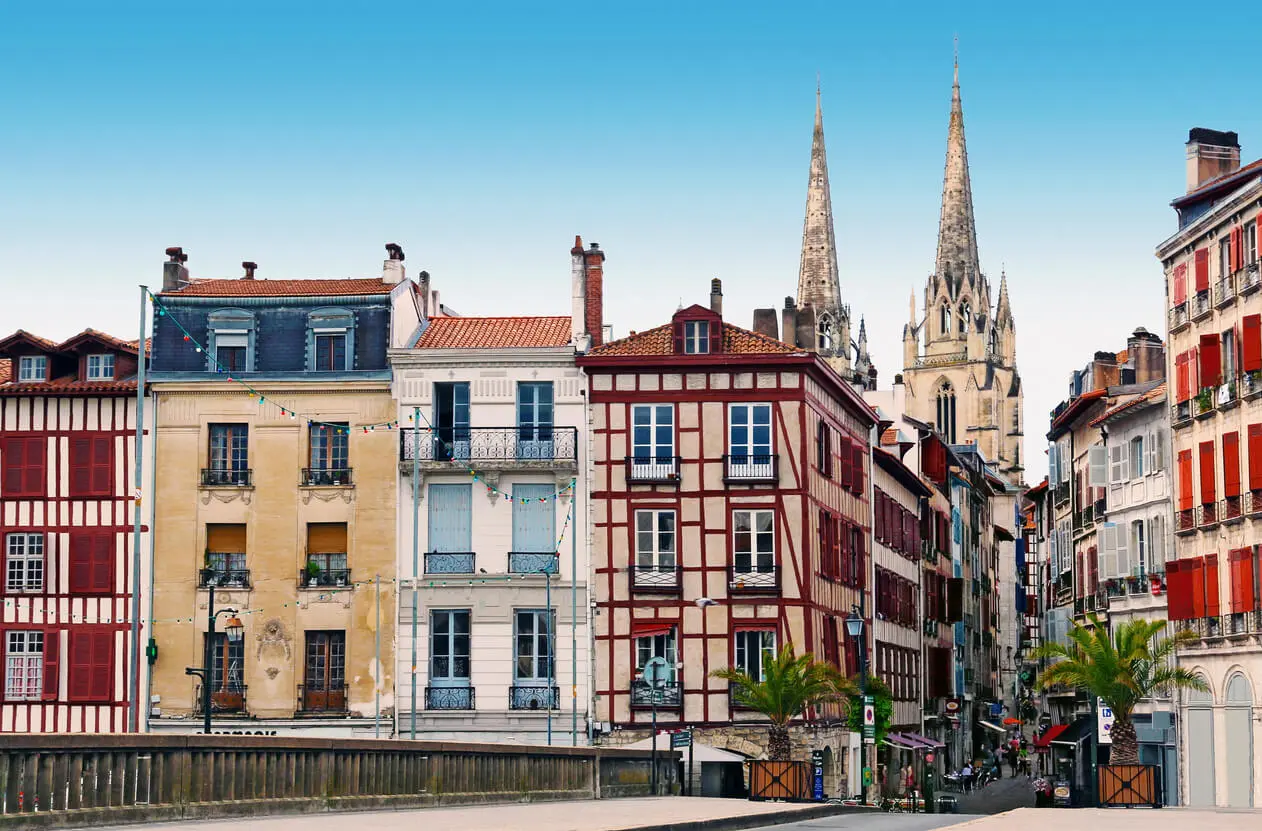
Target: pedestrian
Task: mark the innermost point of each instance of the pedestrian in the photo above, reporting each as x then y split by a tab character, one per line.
1012	761
966	777
1023	761
910	786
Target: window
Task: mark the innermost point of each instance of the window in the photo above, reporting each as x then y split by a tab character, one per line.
653	441
91	466
324	678
753	542
24	563
229	455
752	649
1156	545
1228	352
225	556
992	341
655	545
231	341
946	412
1250	243
449	647
944	319
657	645
749	440
1224	257
227	674
33	368
1139	547
824	448
825	332
24	666
696	337
330	352
450	530
965	317
329	455
534	662
91	562
451	421
230	352
326	554
534	420
534	530
91	665
100	367
1137	457
23	466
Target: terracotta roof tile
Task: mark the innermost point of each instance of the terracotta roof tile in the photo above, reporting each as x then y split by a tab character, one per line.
282	288
102	337
43	343
495	333
67	385
1152	395
6	370
1217	182
660	341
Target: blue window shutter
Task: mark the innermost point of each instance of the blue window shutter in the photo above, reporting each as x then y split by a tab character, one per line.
534	522
451	518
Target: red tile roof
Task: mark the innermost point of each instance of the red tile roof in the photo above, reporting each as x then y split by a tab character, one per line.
1075	406
495	333
22	334
6	370
1216	182
661	341
100	337
67	385
1152	395
282	288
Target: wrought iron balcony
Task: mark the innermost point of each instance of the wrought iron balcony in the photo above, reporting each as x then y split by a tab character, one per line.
529	446
1179	318
322	699
655	578
1251	384
1224	292
224	578
734	700
1181	413
1230	509
450	698
753	578
228	698
219	477
752	469
450	562
325	477
533	698
532	562
653	470
1207	515
669	694
1185	521
324	578
1200	306
1249	279
1253	502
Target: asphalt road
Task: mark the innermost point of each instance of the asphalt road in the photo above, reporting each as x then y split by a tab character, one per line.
878	821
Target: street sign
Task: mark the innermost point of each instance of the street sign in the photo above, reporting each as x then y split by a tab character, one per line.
817	768
869	712
681	739
1104	722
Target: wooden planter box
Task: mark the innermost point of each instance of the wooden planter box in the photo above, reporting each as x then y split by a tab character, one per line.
788	781
1130	785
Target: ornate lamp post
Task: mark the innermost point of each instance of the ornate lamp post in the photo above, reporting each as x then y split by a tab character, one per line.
234	632
854	628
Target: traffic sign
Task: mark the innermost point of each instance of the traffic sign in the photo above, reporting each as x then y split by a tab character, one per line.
869	712
1104	722
681	739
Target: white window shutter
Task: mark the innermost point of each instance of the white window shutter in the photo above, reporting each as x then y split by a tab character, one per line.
1119	458
1156	544
1108	550
1099	461
1063	462
1121	557
1159	445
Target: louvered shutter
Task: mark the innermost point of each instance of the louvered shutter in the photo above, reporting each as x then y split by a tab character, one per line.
1108	549
1233	249
52	665
679	337
33	471
1202	269
1210	361
14	460
856	462
80	665
103	562
80	563
1255	456
1211	585
1118	471
1248	580
1180	284
1233	577
860	557
102	466
1183	380
1178	590
1207	472
1185	479
1122	555
844	453
1231	464
1098	461
80	466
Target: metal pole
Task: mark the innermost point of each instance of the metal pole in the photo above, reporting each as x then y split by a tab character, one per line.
133	666
416	543
653	753
376	727
208	658
574	611
547	588
692	742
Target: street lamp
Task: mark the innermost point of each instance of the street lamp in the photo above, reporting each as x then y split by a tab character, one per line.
854	628
234	632
546	571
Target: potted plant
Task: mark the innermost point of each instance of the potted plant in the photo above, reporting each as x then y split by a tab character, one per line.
313	573
1205	400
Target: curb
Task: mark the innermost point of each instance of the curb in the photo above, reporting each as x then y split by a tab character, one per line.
752	820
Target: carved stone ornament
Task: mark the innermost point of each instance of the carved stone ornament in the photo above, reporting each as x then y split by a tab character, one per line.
274	640
327	494
272	672
226	495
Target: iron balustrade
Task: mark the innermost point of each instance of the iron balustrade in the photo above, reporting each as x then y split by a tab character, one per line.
528	444
325	477
1181	413
229	698
753	578
1179	317
322	698
1249	279
668	694
733	697
1224	292
224	578
1230	509
1207	515
325	578
751	468
1200	305
450	698
450	562
1184	521
532	562
655	577
523	697
1253	502
653	470
217	477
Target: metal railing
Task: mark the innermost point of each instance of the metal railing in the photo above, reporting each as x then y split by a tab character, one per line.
1181	413
1185	521
527	444
325	477
659	470
1207	515
322	698
1203	403
217	477
533	698
324	578
1249	279
1199	305
1230	508
1253	502
450	562
229	698
655	577
1179	317
753	578
224	578
450	698
751	469
532	562
1224	291
668	694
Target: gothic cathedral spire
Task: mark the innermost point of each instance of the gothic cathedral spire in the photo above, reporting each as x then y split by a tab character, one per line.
957	262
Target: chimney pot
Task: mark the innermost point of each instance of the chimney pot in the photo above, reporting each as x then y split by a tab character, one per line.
716	296
174	272
1210	154
595	246
394	251
176	255
249	270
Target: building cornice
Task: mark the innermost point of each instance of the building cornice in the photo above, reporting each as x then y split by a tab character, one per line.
226	302
1214	216
401	359
272	388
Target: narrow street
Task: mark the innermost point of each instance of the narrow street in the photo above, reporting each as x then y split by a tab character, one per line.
997	797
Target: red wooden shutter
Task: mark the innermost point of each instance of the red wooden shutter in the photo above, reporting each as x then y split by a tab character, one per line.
679	337
1211	585
1210	361
1196	580
1233	578
1251	343
1255	456
1231	464
844	452
80	466
52	664
1178	590
102	466
1207	472
856	461
1202	269
1185	479
103	562
14	461
1248	587
1234	249
1183	379
860	557
845	567
1180	284
103	666
80	665
80	564
1093	569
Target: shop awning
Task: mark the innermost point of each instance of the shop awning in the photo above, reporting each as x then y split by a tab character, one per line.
990	725
925	740
1073	735
1052	732
898	742
910	740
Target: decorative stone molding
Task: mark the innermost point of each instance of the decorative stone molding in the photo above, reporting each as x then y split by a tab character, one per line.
327	494
227	495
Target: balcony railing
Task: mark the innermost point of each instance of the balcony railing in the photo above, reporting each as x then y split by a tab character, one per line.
216	477
532	562
229	698
1253	502
1181	413
1231	509
1207	515
1179	317
751	469
1203	404
450	698
1251	384
322	698
224	578
1185	521
1224	292
529	445
325	477
533	698
449	562
753	578
643	694
653	470
1060	495
1249	279
325	578
655	577
1200	305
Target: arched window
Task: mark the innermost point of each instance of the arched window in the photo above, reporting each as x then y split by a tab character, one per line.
826	333
946	412
964	317
944	319
994	342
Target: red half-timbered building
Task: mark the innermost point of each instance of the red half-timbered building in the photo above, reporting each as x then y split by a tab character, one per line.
67	452
730	509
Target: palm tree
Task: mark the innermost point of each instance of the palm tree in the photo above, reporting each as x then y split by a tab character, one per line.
1120	671
790	685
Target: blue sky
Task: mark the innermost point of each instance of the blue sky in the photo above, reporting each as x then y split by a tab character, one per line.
304	136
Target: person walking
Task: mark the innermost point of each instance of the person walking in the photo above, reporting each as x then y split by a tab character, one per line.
1012	760
966	777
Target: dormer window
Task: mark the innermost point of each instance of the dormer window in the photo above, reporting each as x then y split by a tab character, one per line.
331	340
697	337
33	368
232	341
100	367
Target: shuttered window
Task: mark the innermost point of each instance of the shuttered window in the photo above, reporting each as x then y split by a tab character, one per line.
1179	590
1207	472
1185	479
1231	464
1251	343
1180	280
856	464
1202	269
451	518
847	466
1255	456
1183	378
23	466
91	466
1211	585
1210	363
534	519
91	665
1243	592
91	561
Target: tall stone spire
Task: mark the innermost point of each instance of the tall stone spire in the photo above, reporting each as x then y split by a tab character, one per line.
1003	310
957	261
818	284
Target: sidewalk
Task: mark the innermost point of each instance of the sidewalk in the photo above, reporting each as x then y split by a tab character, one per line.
1117	819
594	815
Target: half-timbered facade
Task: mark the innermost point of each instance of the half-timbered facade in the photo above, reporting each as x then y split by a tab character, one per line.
67	488
731	493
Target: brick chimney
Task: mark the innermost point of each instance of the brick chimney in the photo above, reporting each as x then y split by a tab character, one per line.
174	272
250	268
594	293
765	323
1210	154
392	272
716	296
1104	371
789	324
1147	354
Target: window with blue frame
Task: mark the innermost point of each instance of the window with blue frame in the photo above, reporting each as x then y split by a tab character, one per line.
231	340
331	340
451	421
450	549
534	530
534	420
448	653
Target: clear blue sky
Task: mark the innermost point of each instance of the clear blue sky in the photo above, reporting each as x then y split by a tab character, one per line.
483	136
